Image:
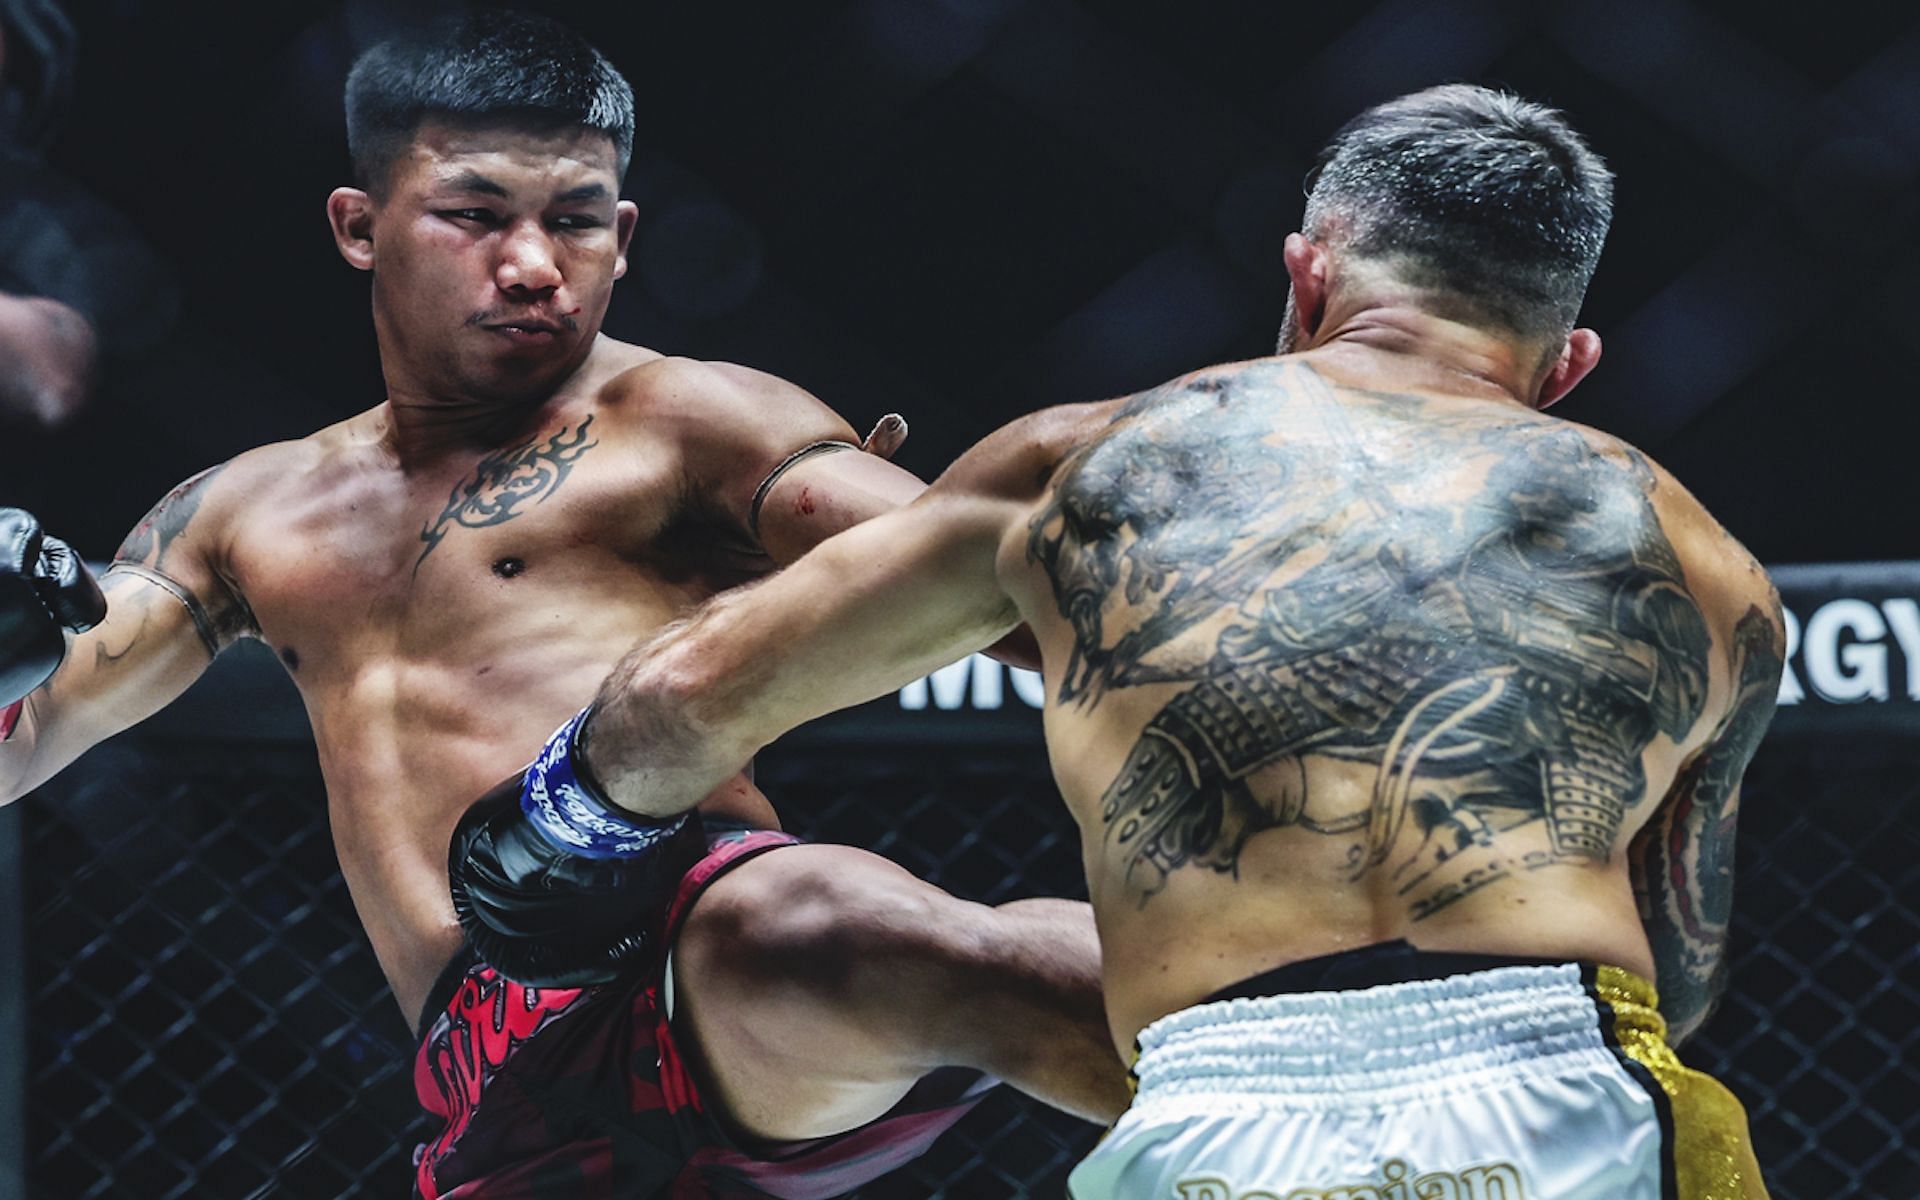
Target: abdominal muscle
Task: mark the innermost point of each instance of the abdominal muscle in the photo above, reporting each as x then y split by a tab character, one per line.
402	764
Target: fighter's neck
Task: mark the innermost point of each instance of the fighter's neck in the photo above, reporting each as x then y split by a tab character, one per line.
421	428
421	422
1408	347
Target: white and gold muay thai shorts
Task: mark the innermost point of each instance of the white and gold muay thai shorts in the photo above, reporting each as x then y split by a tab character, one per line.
1457	1080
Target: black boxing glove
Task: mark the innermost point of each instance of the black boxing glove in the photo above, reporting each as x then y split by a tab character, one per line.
555	886
45	590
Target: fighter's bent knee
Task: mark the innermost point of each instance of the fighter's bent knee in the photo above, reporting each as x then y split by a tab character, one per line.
821	918
555	887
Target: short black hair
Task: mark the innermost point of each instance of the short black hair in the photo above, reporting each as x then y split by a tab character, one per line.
1471	192
485	67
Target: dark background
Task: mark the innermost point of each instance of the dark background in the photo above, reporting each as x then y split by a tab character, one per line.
959	210
965	209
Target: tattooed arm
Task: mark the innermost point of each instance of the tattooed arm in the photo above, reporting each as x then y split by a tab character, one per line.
868	611
1682	860
169	611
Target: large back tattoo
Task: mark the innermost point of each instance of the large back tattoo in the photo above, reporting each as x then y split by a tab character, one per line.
1482	604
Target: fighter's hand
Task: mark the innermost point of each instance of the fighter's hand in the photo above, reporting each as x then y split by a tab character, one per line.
887	436
45	591
556	887
50	354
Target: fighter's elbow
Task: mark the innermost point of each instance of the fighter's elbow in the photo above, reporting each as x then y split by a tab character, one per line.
1681	1026
1691	989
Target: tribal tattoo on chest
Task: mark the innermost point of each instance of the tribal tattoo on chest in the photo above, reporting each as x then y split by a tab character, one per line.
1482	607
506	483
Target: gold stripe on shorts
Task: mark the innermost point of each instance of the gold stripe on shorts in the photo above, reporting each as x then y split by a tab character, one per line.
1712	1152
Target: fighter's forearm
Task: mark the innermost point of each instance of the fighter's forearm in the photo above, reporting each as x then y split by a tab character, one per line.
1682	861
1688	957
867	611
642	744
46	737
146	651
641	765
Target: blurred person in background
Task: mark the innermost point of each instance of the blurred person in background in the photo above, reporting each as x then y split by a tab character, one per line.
76	283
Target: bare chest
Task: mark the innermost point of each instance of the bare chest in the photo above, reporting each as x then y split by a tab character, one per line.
367	568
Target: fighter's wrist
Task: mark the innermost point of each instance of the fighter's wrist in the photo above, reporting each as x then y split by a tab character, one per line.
567	808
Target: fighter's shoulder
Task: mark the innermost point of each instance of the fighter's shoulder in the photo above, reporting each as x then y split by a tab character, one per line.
1725	578
276	465
1019	459
703	402
212	500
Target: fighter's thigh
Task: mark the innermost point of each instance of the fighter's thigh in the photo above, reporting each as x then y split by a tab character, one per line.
805	978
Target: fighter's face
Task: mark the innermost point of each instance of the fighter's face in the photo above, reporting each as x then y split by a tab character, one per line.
494	253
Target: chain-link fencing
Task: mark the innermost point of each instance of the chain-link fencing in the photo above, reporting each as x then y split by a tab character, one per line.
208	1021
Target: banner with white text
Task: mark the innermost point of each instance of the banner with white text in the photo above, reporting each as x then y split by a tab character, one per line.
1853	667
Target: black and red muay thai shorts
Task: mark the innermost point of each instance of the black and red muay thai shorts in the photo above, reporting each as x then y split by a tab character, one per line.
584	1093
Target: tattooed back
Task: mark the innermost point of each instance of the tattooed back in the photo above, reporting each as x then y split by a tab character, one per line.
1331	665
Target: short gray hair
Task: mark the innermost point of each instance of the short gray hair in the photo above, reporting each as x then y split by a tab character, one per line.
1472	192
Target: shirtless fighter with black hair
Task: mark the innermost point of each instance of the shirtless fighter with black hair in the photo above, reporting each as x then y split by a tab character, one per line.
1404	724
451	572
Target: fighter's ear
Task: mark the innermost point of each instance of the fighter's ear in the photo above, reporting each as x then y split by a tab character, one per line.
626	215
350	213
1579	356
1308	267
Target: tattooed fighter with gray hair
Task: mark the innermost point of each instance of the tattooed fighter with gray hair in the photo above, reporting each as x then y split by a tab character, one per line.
449	573
1403	723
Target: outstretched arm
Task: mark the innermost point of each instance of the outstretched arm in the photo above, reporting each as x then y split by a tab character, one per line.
867	611
1682	860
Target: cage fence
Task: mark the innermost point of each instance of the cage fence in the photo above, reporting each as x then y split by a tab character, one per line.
206	1019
